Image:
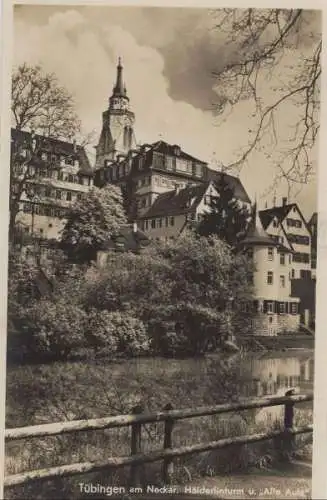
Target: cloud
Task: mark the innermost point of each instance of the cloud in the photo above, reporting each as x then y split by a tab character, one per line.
162	73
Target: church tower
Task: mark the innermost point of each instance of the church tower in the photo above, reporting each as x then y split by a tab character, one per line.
117	135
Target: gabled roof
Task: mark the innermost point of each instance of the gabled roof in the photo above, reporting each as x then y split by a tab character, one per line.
233	182
55	146
280	213
177	202
127	239
314	219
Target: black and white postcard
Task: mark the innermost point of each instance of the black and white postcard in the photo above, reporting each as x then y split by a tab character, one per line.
161	168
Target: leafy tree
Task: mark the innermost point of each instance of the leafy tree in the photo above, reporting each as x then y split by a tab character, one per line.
187	282
91	221
226	218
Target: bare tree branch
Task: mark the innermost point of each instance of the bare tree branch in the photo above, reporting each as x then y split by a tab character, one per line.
258	40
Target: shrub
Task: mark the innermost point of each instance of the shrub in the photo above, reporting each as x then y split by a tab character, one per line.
54	328
100	333
129	332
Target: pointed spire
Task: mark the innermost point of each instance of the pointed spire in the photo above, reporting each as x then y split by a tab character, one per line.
119	89
256	235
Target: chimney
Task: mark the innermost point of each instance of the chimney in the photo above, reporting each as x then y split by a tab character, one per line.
284	201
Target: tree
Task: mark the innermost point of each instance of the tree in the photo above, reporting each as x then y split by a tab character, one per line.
226	218
188	282
259	42
40	103
91	221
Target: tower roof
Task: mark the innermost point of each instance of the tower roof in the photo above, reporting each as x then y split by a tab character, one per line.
256	235
119	89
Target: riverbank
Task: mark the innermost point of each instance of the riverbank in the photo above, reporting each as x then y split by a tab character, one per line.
275	343
72	391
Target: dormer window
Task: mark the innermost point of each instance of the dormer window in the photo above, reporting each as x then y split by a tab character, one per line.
270	253
177	150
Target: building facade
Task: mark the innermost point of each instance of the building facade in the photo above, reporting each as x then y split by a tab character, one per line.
287	224
277	311
147	173
47	176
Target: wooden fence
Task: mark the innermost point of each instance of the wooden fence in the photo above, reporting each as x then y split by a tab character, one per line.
168	453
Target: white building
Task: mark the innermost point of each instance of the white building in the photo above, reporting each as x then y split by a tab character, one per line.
173	211
277	310
287	224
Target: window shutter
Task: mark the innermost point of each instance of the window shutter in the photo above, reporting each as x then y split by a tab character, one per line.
265	306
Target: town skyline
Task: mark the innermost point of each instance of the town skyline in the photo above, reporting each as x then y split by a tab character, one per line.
171	92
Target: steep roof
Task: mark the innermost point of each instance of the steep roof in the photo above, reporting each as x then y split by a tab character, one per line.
256	234
177	202
233	182
280	213
55	146
313	219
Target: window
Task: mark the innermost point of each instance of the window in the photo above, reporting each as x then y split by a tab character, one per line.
282	259
27	208
79	196
172	221
159	223
167	221
50	225
282	308
293	274
58	195
270	253
275	223
146	225
153	223
294	308
270	307
69	196
282	281
290	259
270	278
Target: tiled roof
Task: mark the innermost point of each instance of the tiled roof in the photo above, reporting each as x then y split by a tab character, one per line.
55	146
177	202
233	182
169	149
126	240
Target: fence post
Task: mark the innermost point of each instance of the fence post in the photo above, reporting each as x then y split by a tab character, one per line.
136	444
288	426
168	464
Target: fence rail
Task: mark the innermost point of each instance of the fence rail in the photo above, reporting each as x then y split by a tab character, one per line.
168	453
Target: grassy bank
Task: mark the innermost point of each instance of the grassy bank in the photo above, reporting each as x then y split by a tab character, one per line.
68	391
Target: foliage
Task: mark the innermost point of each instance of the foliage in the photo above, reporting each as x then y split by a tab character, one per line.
226	218
39	102
188	281
111	332
54	329
91	221
284	46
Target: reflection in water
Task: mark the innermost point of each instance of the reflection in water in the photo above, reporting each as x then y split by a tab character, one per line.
273	374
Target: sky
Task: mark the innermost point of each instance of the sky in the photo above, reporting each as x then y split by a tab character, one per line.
169	55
